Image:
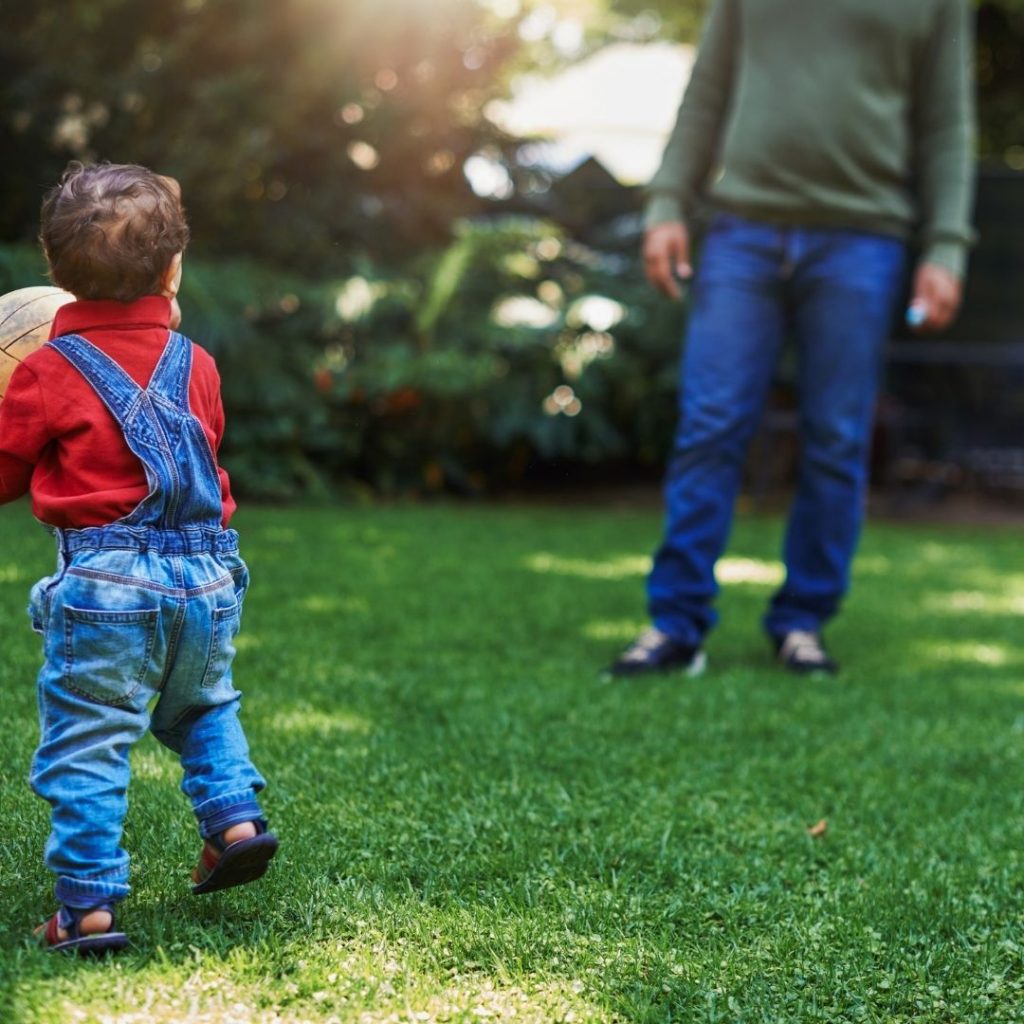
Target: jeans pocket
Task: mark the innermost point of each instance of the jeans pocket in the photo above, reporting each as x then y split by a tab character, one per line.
107	653
722	220
226	622
231	562
39	602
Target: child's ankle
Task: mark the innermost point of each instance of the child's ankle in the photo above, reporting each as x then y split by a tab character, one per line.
95	922
236	833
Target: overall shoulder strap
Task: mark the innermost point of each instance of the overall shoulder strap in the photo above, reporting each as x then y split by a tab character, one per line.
171	377
118	392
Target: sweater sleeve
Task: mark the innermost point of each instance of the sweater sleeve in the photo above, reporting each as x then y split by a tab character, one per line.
23	433
695	139
945	134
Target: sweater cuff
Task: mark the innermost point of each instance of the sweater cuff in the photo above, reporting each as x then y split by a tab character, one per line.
951	255
662	209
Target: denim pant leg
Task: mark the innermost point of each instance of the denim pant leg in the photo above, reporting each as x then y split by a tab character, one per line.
845	287
734	336
197	714
93	689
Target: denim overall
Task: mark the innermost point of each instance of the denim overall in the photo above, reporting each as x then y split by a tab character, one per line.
147	607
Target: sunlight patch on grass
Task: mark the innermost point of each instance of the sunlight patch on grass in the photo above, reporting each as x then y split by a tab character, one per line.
194	1002
749	570
988	654
322	723
329	604
608	569
930	551
960	558
248	642
13	574
728	570
873	565
211	999
961	601
969	653
150	764
613	629
983	601
489	1002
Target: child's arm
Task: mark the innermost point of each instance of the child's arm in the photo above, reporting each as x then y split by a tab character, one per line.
23	433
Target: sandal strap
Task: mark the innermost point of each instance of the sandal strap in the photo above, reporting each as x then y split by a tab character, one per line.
51	935
69	919
218	843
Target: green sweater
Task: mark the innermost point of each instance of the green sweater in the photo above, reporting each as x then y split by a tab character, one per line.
843	113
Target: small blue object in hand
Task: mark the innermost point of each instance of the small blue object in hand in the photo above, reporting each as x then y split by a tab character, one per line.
917	313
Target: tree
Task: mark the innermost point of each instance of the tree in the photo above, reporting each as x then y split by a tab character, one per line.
303	131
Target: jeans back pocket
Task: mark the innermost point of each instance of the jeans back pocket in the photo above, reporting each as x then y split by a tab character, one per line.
107	653
226	623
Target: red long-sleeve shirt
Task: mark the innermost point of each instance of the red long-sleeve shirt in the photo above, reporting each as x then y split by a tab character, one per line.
58	440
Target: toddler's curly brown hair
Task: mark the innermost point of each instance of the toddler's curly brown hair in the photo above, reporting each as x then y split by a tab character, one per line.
110	231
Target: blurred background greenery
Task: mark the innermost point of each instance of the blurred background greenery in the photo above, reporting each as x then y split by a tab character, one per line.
401	292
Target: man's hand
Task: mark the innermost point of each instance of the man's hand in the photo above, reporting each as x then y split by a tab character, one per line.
937	295
667	257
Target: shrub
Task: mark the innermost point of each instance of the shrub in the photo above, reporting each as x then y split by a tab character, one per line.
513	349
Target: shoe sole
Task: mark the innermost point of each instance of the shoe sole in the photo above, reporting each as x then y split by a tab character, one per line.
92	945
239	864
695	667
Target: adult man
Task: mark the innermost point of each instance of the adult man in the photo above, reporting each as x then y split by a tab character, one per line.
822	136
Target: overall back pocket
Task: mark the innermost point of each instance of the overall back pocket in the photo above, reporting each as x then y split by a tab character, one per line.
107	653
226	622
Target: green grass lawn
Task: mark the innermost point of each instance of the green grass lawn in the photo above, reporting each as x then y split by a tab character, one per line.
475	828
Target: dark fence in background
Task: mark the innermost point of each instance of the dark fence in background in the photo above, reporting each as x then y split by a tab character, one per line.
952	416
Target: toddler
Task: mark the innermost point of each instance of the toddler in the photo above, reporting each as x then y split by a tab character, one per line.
113	428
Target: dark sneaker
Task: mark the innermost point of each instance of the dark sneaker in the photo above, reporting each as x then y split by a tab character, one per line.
653	651
804	652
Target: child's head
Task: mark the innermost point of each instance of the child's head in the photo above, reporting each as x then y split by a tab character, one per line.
113	231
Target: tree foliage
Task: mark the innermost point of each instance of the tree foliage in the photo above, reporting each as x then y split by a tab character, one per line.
302	130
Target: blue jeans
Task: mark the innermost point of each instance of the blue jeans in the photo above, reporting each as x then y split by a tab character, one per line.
130	616
834	291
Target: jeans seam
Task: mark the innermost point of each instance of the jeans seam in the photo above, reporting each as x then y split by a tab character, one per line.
172	642
220	617
142	584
